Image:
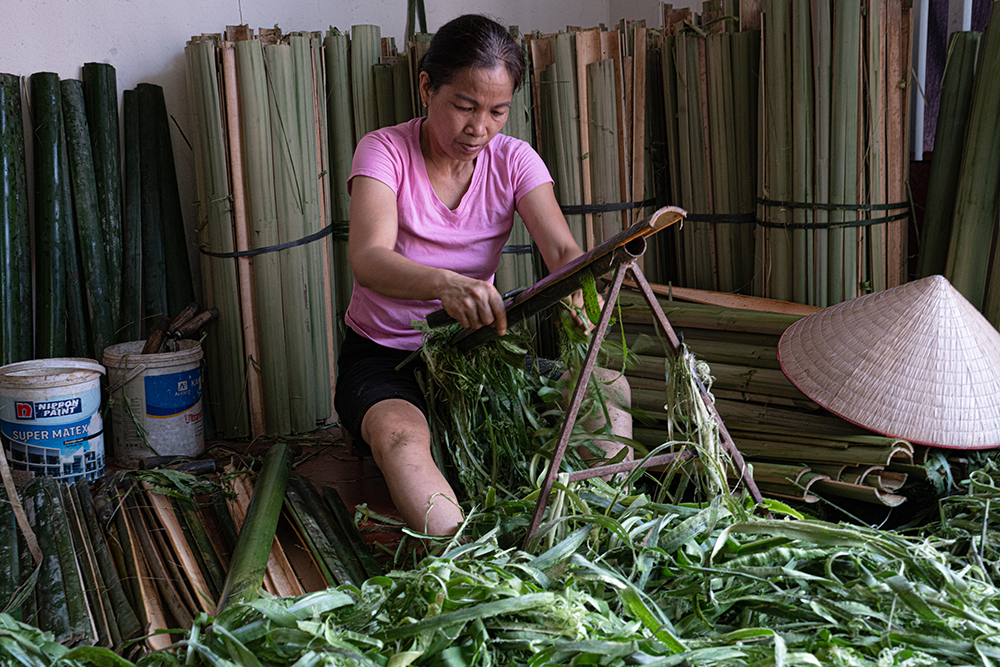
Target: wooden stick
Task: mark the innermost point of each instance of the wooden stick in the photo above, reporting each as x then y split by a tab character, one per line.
156	337
726	300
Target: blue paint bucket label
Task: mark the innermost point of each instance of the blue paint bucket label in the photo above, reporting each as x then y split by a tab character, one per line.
50	418
172	395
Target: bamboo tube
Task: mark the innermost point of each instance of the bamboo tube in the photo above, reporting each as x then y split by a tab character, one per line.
258	172
226	367
979	177
130	316
244	269
197	535
949	139
315	523
250	557
154	283
366	47
46	105
338	93
346	521
77	317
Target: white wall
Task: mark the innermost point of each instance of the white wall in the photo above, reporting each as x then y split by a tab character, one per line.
144	39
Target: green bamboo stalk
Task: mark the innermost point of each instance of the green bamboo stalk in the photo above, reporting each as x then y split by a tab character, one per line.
876	152
246	571
802	148
21	240
843	267
130	316
196	536
100	88
50	286
366	49
385	101
224	522
258	167
604	173
78	334
776	109
341	137
15	249
949	140
291	207
50	593
125	618
88	218
10	571
975	200
226	363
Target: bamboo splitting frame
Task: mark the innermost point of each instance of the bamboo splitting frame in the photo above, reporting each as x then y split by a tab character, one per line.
621	267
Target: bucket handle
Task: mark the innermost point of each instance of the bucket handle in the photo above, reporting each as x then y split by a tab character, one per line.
131	375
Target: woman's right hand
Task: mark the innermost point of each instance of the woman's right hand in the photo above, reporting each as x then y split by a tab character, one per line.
473	303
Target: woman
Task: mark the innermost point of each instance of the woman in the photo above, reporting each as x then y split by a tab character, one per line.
432	204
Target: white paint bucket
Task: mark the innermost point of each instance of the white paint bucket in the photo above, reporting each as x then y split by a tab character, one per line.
50	417
155	401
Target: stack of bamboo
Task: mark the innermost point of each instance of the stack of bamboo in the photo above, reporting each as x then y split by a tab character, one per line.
833	149
76	592
798	449
709	88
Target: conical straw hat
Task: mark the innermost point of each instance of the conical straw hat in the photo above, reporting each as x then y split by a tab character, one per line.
917	362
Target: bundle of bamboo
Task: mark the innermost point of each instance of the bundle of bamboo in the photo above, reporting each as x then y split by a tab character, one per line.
833	177
797	449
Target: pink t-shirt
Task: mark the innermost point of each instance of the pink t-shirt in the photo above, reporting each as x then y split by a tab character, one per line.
468	240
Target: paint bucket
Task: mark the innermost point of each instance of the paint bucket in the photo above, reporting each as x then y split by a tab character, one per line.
155	401
50	417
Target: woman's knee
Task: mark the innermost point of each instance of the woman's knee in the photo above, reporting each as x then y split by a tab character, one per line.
395	427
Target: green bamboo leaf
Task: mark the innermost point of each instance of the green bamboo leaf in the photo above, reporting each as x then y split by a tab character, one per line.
480	611
660	629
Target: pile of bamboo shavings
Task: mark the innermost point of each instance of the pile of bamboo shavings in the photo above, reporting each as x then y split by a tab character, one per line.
772	423
834	123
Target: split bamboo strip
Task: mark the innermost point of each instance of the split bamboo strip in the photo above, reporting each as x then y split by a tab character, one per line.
306	152
366	48
130	316
16	333
604	141
702	254
50	214
949	140
385	101
822	58
258	172
338	95
100	90
152	605
226	363
162	561
979	177
874	157
588	51
99	605
402	88
244	268
844	283
802	150
776	112
290	188
167	519
48	501
565	147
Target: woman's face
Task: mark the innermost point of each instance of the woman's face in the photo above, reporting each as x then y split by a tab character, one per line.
464	115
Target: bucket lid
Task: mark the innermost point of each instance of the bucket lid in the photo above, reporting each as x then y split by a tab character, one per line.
917	362
50	372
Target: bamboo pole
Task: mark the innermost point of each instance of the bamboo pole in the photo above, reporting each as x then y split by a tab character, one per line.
366	48
604	145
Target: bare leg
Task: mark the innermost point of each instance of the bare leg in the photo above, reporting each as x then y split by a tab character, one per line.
399	436
618	398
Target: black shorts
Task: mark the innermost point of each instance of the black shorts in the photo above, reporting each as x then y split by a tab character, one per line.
366	375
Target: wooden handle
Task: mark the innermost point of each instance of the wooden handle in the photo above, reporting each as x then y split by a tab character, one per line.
156	337
195	323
